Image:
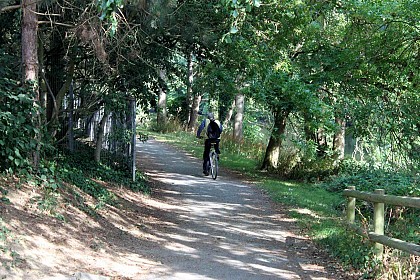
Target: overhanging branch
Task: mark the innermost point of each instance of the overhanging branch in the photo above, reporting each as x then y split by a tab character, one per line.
56	23
9	8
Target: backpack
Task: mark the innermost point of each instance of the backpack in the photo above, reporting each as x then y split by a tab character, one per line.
213	130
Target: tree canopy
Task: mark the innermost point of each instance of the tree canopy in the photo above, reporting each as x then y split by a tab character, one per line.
325	67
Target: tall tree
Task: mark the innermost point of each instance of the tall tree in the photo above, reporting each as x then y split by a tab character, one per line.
238	131
161	106
195	107
272	151
339	138
30	60
100	136
189	84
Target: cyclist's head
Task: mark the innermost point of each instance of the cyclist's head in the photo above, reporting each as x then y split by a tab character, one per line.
210	116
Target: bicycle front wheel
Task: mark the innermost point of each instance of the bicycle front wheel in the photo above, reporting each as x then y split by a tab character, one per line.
214	165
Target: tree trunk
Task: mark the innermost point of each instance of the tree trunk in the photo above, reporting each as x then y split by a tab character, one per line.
194	112
273	149
322	143
70	134
30	41
309	131
162	111
339	140
100	136
30	62
229	114
239	117
190	81
56	100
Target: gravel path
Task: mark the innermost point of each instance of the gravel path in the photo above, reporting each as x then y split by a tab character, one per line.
223	229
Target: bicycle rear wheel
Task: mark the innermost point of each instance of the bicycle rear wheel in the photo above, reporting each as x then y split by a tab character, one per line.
214	165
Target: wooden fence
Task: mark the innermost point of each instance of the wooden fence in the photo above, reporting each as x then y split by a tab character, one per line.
379	200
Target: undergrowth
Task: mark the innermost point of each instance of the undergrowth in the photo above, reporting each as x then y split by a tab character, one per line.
401	222
76	175
83	172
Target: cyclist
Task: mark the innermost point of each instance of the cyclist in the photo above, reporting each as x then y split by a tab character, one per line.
213	128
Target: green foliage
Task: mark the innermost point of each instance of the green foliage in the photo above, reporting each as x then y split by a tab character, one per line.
367	178
3	197
120	134
176	104
86	175
257	123
245	152
299	160
17	127
108	10
69	172
401	222
171	125
351	249
78	178
238	11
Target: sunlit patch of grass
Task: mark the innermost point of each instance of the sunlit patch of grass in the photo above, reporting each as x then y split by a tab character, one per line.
305	196
319	213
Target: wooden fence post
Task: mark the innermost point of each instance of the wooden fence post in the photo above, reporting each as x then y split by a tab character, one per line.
133	137
379	222
351	207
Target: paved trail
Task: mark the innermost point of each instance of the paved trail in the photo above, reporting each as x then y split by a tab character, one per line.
221	229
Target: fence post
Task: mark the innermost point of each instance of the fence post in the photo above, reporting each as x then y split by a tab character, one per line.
71	118
379	222
351	207
133	137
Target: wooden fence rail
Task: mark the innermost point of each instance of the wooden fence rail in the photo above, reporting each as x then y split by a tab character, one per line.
379	200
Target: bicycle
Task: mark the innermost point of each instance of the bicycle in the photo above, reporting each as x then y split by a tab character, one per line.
213	161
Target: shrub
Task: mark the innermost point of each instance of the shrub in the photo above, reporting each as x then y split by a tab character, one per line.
171	125
299	161
401	222
17	129
245	148
366	178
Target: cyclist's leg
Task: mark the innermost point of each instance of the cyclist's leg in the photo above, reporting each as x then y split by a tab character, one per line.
214	167
216	148
206	157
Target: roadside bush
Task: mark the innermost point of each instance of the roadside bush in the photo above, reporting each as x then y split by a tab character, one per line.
18	116
171	125
245	148
299	161
82	171
401	222
78	173
366	178
17	131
